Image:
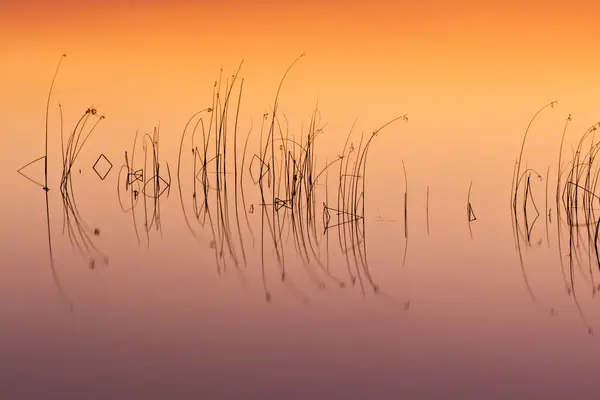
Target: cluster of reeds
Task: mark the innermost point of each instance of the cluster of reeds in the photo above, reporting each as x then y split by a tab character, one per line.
294	192
78	230
144	178
576	203
289	181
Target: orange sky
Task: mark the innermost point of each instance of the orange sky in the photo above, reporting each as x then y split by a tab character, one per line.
561	21
475	71
464	37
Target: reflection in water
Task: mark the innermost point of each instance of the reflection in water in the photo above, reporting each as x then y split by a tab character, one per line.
136	181
278	196
47	189
78	231
470	213
577	227
215	168
290	185
277	209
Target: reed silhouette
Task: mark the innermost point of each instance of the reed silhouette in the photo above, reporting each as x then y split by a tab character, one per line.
229	185
276	193
46	189
290	183
575	213
79	232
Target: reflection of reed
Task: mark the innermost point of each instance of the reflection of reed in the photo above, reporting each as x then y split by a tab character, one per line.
288	179
427	210
210	176
470	213
576	204
284	170
405	214
46	189
150	183
78	231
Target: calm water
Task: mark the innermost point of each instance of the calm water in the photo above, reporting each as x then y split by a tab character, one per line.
239	306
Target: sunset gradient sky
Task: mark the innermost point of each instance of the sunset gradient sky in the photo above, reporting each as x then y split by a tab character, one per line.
469	74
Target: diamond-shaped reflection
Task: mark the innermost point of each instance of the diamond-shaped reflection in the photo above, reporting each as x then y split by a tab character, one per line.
159	186
102	167
256	164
